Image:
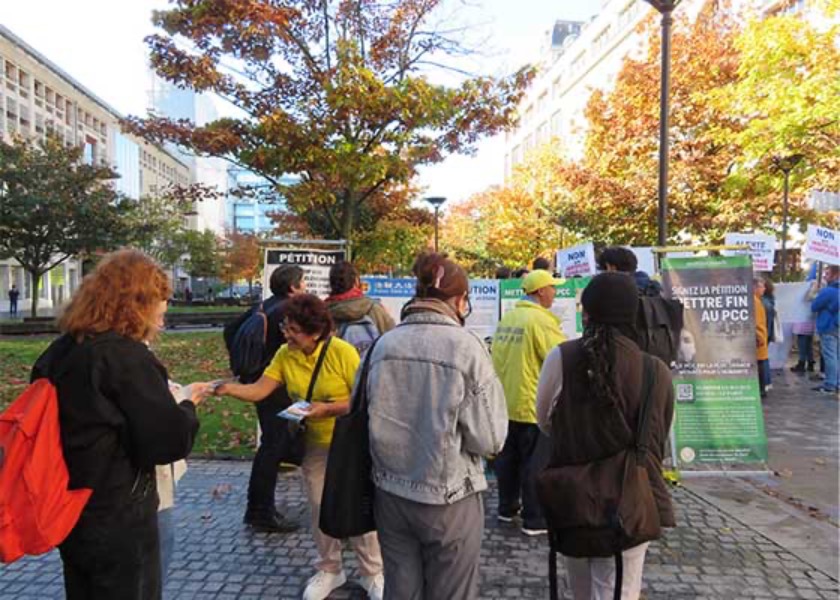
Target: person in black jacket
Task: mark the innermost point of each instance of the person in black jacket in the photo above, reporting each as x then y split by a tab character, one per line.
262	514
118	420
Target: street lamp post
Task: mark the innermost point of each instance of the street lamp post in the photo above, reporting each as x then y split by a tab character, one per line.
665	8
436	201
786	165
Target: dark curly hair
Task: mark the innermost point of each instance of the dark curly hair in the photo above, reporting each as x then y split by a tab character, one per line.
311	314
343	277
621	258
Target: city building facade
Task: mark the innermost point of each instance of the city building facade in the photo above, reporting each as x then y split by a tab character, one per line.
579	58
37	97
168	100
250	213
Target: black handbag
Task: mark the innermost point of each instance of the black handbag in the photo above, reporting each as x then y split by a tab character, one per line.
347	500
293	435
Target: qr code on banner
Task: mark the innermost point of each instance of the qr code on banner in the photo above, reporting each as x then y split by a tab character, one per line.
685	392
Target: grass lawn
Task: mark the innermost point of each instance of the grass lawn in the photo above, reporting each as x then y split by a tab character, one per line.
228	426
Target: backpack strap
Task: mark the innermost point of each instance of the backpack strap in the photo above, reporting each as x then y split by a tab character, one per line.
317	370
619	575
643	426
359	401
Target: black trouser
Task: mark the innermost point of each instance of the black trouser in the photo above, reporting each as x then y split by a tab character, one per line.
524	455
114	552
267	460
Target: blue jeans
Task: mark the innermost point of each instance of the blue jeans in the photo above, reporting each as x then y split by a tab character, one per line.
829	343
763	375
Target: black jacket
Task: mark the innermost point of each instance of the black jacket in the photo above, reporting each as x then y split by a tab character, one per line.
275	310
117	416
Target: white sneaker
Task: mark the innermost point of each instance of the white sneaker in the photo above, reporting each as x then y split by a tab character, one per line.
534	532
322	584
374	585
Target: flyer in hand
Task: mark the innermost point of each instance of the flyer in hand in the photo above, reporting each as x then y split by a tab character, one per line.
296	412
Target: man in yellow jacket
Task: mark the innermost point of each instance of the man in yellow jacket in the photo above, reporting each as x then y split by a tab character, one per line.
523	339
761	346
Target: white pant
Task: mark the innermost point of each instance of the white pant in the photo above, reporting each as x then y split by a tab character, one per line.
594	578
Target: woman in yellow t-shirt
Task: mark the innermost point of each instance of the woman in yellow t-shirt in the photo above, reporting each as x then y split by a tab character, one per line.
307	327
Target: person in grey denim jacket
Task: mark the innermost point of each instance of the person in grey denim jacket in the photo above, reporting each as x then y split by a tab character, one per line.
436	409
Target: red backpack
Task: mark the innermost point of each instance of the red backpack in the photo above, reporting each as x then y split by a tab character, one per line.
37	511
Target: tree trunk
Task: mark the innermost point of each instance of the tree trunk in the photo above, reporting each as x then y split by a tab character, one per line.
35	287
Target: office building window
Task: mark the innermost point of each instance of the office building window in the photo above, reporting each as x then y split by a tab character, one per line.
555	88
543	134
557	124
541	102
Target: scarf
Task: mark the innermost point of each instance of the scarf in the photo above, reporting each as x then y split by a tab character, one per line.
418	305
348	295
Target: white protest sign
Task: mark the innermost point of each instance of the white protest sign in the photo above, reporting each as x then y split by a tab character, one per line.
577	260
762	248
484	297
823	244
645	259
316	266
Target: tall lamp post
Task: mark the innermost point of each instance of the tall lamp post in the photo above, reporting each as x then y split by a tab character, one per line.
436	201
665	8
786	165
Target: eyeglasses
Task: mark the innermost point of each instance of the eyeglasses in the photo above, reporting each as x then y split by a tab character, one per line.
290	327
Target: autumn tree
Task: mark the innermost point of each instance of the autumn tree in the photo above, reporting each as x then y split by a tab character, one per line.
241	259
711	190
463	232
54	206
788	90
333	91
513	224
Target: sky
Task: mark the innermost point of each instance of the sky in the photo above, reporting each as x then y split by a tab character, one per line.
100	44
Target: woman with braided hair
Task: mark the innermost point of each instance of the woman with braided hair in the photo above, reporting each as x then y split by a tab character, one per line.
586	383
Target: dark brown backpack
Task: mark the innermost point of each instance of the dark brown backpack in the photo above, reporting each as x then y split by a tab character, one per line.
604	506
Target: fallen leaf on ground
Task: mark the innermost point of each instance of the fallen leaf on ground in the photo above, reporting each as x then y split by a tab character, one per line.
220	490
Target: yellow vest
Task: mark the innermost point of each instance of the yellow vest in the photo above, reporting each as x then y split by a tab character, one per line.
523	339
335	381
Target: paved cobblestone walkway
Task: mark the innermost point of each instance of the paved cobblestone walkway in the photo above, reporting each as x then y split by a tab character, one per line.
710	554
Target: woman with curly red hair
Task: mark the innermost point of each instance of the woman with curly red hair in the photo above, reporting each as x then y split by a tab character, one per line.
118	421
